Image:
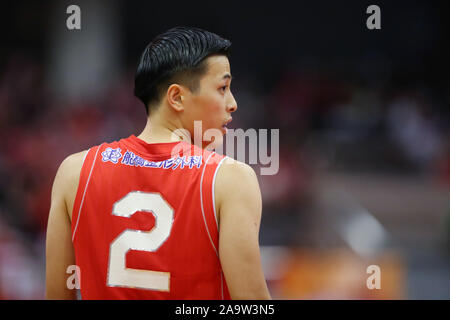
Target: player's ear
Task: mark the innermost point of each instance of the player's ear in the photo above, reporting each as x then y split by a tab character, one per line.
176	96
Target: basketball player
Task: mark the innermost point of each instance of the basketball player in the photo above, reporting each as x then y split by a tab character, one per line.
153	217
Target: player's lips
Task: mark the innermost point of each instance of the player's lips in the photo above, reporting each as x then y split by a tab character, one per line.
224	126
227	122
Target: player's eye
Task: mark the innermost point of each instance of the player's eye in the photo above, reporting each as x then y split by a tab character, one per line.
223	88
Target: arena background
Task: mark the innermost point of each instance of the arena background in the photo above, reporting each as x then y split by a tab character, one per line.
363	115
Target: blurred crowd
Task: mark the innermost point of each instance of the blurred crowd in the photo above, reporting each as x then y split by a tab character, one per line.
325	124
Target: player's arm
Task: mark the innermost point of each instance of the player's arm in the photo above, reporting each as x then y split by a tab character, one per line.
59	248
239	206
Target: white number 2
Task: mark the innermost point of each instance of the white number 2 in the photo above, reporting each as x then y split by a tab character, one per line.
118	274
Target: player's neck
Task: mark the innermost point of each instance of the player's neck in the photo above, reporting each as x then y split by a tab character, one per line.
159	131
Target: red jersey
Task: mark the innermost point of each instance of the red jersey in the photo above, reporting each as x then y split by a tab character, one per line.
144	223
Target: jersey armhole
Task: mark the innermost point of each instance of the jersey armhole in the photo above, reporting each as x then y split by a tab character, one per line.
207	199
85	175
213	194
223	286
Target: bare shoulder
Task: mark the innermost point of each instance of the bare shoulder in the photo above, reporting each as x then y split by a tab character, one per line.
235	182
72	163
232	175
68	177
232	168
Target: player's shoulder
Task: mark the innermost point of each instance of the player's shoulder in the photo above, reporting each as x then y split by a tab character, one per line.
70	168
73	161
68	175
235	176
236	183
232	168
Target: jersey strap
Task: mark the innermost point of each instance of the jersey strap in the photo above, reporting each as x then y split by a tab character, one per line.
85	176
210	218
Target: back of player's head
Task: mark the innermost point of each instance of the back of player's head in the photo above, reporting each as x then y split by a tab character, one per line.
175	56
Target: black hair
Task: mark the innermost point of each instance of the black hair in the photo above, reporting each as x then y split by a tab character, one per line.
175	56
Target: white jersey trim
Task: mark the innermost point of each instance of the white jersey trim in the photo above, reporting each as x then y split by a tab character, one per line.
85	188
201	203
213	194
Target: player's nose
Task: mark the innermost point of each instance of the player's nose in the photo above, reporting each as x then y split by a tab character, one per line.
232	105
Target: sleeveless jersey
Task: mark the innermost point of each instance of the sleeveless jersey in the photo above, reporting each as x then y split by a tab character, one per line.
144	223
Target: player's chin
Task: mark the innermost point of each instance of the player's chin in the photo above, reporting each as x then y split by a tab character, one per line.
214	138
215	131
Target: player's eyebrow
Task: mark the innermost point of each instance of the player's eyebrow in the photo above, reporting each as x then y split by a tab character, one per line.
227	76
